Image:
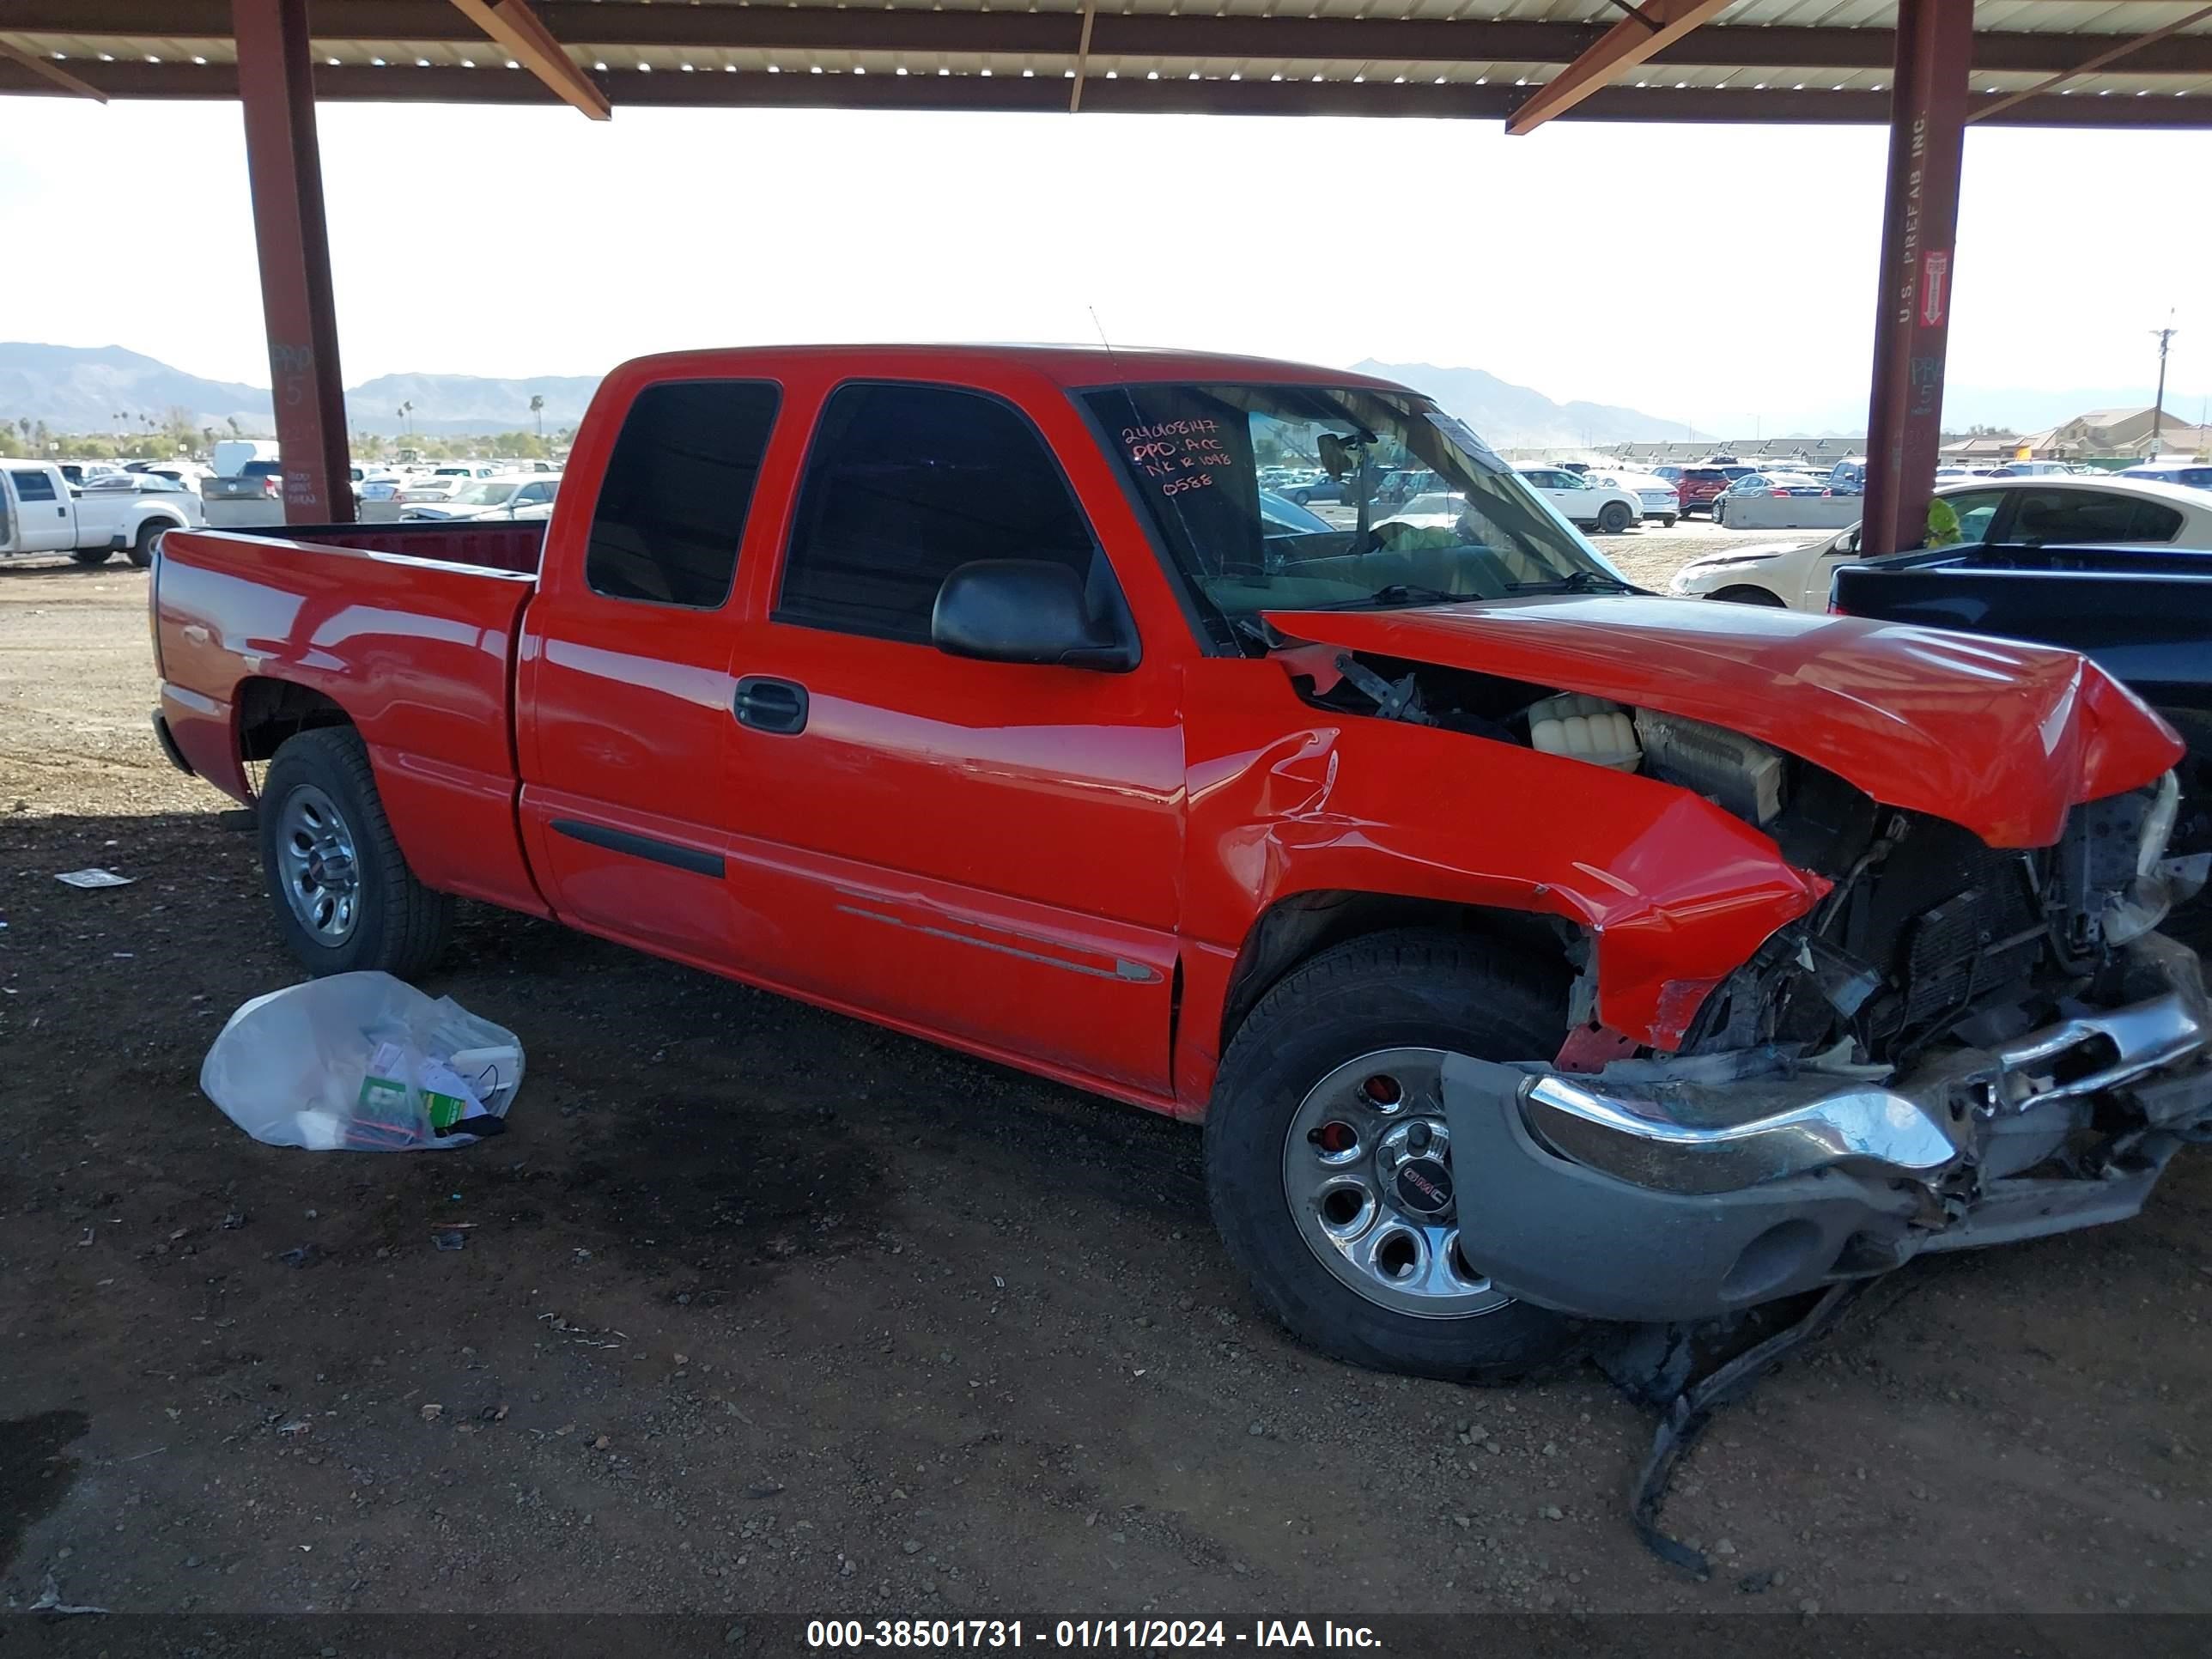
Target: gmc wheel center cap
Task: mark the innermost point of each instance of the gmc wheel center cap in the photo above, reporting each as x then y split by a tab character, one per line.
1424	1186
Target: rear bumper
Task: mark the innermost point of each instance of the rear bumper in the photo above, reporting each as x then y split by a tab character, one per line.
1634	1195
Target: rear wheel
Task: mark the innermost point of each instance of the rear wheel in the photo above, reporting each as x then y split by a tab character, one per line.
1668	521
1329	1159
344	896
141	551
90	556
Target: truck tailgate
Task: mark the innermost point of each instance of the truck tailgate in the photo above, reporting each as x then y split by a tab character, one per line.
418	653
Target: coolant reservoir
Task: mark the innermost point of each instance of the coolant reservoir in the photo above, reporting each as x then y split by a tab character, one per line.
1586	728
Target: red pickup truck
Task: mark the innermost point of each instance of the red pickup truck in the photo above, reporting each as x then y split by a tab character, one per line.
1535	950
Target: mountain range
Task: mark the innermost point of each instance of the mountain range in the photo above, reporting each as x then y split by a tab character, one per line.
86	388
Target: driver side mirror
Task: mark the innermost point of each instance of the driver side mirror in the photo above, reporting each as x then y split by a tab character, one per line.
1029	610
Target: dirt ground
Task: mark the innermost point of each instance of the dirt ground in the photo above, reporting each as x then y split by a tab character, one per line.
764	1310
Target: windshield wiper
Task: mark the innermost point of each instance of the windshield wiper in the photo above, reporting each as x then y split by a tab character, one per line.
1396	594
1581	581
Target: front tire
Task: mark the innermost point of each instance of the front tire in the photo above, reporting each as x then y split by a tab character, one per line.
1613	519
1747	594
344	896
1331	1253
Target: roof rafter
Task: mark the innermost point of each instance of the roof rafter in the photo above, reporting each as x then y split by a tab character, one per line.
47	70
515	25
2133	42
1646	31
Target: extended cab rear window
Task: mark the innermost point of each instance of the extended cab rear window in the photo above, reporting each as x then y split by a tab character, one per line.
32	486
671	509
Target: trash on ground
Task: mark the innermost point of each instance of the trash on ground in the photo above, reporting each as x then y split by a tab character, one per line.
452	1239
50	1601
362	1062
94	879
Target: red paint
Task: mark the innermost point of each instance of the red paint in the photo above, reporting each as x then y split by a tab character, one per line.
1998	736
1055	868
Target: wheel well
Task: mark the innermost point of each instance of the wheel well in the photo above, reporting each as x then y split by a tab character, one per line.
1305	924
1750	594
269	711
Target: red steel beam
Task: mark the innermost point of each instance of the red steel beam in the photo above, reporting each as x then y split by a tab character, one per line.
1920	221
284	166
1455	100
1646	31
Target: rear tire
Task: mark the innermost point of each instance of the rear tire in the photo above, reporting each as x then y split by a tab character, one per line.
1613	519
90	556
342	895
1668	521
141	551
1410	988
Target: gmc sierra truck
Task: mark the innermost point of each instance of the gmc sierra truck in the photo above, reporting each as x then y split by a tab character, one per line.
1535	950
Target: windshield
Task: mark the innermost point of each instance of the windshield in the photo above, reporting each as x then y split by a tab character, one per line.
483	495
1194	453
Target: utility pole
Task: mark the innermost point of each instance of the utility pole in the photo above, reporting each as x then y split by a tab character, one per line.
2158	407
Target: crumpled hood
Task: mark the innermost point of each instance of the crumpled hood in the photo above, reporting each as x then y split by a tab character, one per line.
1997	736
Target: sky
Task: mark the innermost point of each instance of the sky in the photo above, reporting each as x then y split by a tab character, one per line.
1718	275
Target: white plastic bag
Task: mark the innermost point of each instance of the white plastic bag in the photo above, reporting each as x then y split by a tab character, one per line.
364	1062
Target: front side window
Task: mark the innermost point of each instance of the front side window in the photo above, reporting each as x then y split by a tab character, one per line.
32	486
1191	452
905	484
671	509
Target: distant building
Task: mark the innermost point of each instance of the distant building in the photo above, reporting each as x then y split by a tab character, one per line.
2103	434
1803	451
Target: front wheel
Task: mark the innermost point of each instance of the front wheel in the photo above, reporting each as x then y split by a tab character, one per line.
1613	518
1329	1159
344	896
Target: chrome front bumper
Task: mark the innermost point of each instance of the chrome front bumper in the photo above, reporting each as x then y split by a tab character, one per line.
1674	1136
1680	1188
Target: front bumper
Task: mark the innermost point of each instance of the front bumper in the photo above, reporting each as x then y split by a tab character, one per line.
1681	1189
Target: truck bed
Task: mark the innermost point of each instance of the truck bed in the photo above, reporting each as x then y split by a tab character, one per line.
496	544
409	629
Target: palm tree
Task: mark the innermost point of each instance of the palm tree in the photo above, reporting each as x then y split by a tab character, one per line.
538	409
406	411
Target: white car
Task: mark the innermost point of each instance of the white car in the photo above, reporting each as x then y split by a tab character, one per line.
510	497
2014	511
1657	497
1590	505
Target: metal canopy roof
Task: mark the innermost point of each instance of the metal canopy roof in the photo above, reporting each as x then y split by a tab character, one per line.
1757	60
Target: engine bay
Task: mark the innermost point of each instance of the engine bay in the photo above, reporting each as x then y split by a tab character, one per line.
1926	935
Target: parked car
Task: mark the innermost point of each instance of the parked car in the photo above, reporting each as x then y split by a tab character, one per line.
1767	483
2028	469
2141	612
1597	507
1307	491
999	724
117	513
1702	484
229	455
380	486
82	472
426	486
2026	512
1848	476
2191	475
489	498
1655	496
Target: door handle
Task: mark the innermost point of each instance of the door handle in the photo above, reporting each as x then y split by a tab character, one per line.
770	705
